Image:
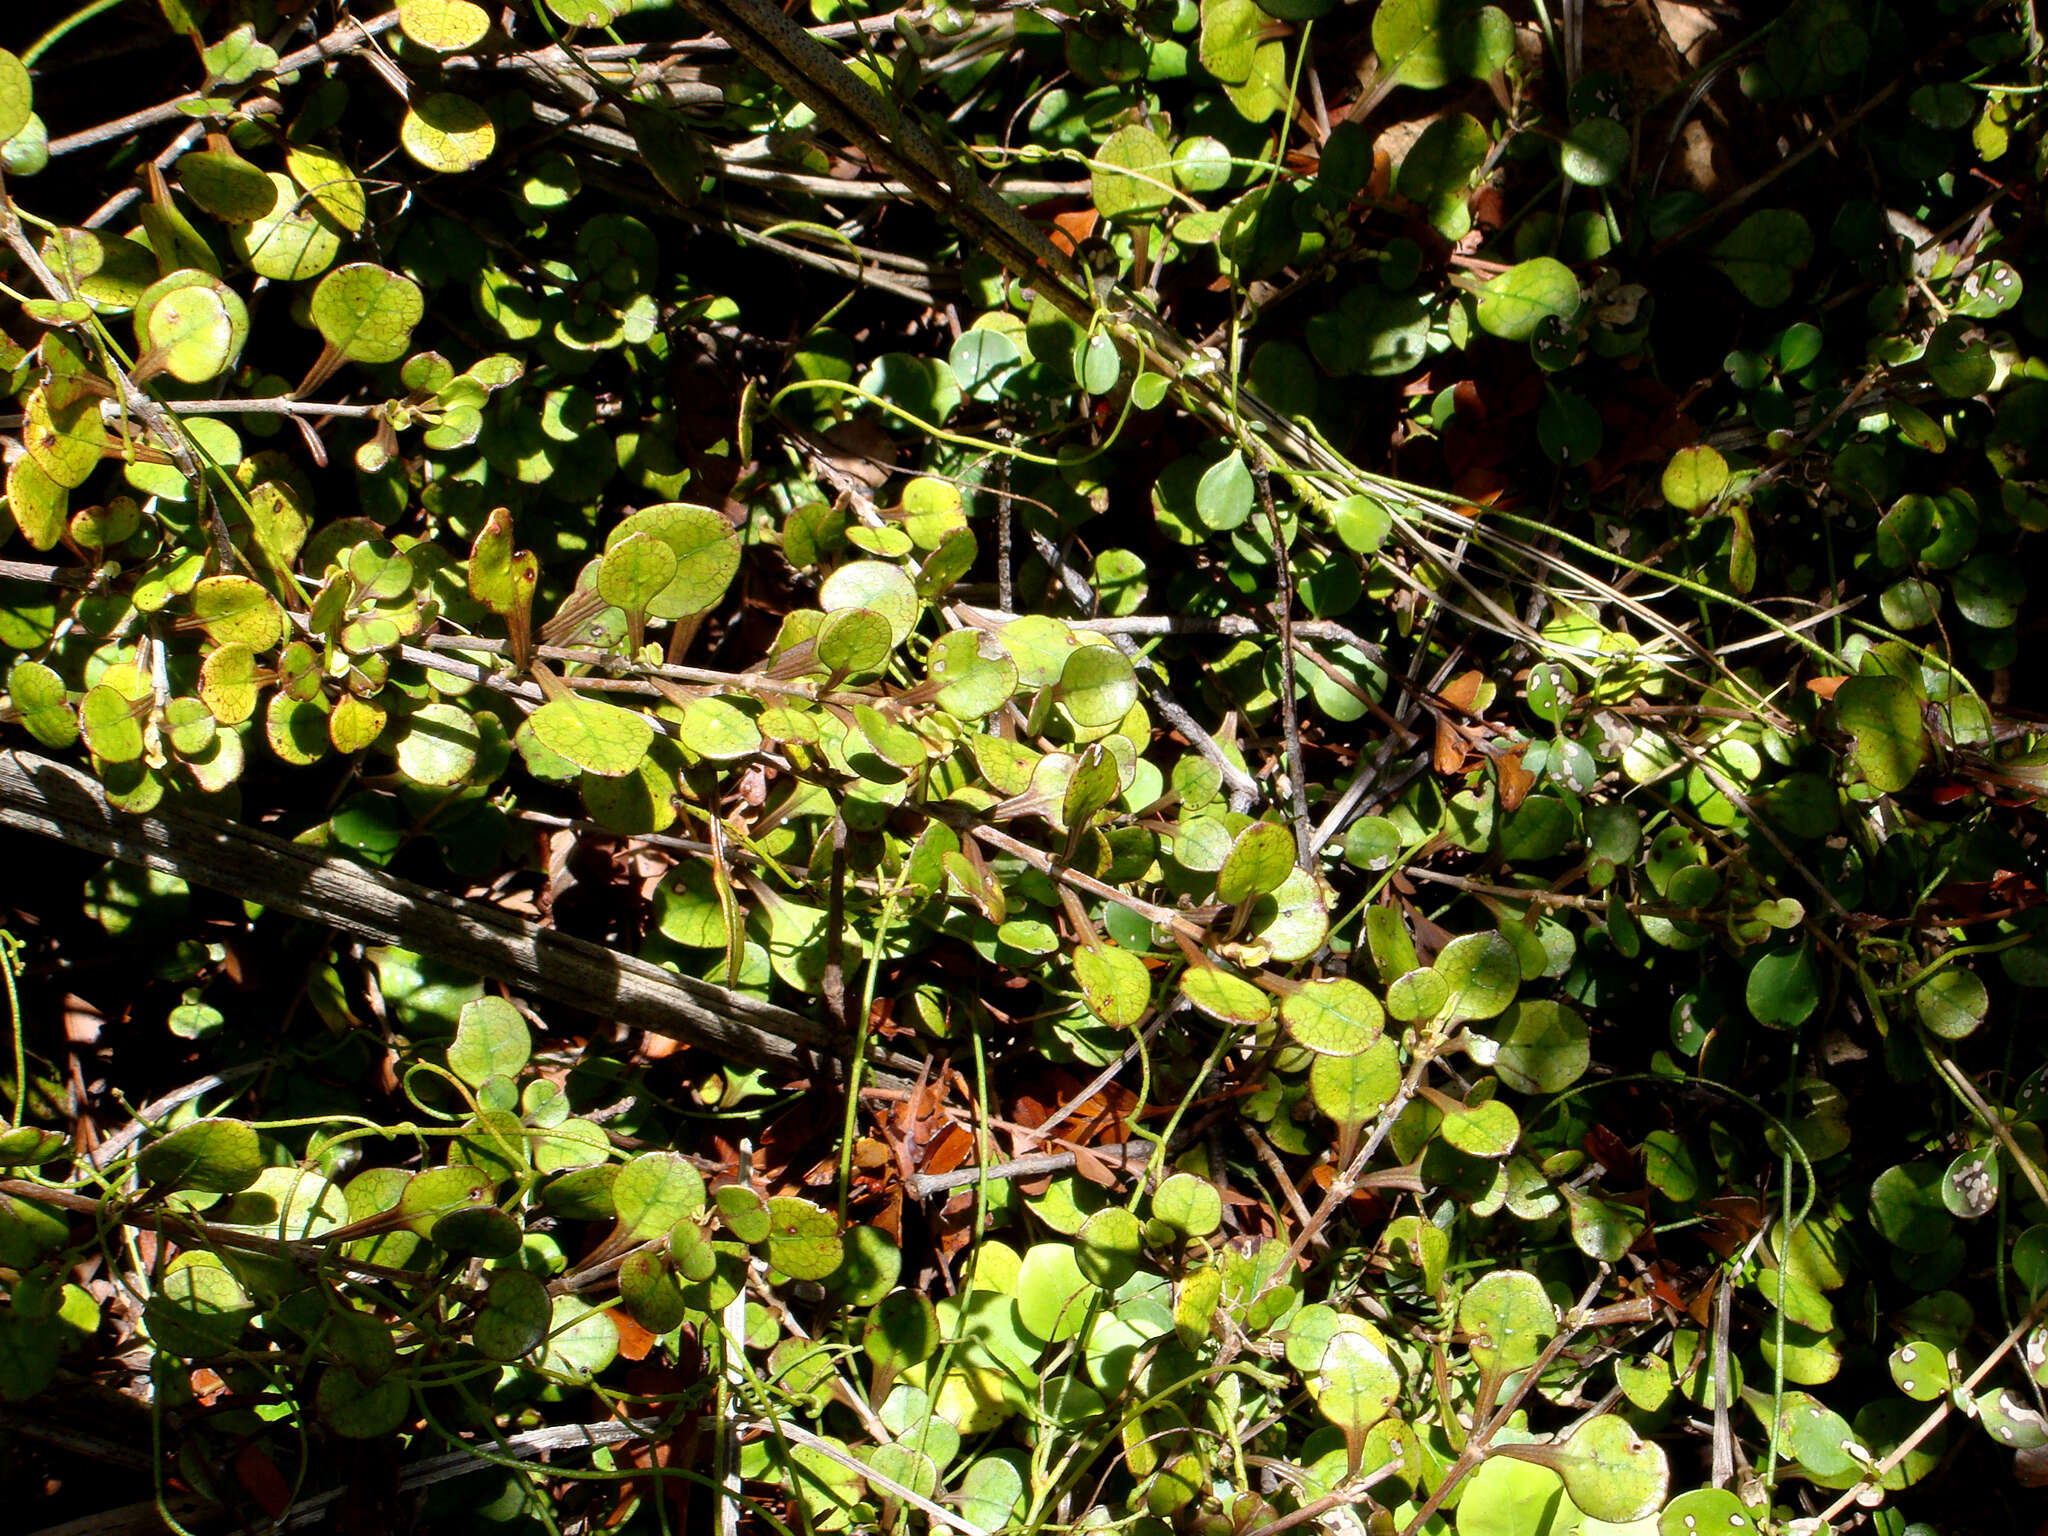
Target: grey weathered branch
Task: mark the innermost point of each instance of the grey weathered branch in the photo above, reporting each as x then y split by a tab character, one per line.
56	801
1126	1156
346	38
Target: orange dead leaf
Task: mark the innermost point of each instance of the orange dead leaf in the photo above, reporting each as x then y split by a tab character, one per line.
1070	229
1453	741
1382	181
1515	780
1824	686
1093	1168
634	1341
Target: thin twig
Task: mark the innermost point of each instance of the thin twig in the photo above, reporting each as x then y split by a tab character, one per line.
1128	1156
1283	610
1744	193
1933	1421
346	38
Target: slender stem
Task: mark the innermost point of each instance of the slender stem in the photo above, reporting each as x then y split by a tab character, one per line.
1932	1422
1124	1156
1283	610
10	967
346	38
64	28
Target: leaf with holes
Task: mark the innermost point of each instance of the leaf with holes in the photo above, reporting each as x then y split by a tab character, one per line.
1506	1318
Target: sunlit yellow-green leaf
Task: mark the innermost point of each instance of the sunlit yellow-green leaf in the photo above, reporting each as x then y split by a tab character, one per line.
597	737
446	26
367	313
446	132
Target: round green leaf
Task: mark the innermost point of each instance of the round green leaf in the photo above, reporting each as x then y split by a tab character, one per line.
718	729
1513	303
221	1157
194	334
1356	1385
707	555
1612	1473
1989	590
1952	1003
1482	1130
901	1331
1133	173
40	698
655	1191
1542	1047
1907	1208
1595	154
1704	1510
1260	859
1362	522
599	738
1189	1205
1601	1228
581	1340
1202	163
17	95
296	240
803	1240
1224	494
878	587
1970	1185
651	1293
439	746
446	26
27	1144
858	641
1442	160
744	1213
1429	43
1417	994
1694	477
330	183
1053	1295
446	132
1783	986
478	1232
1506	1318
1761	254
1114	983
227	186
367	313
199	1310
491	1040
1109	1245
1882	714
1224	996
1921	1371
1481	973
1098	685
1352	1089
1334	1017
439	1192
2010	1420
635	571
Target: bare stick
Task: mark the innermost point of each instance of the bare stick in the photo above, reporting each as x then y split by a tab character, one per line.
1283	610
1125	1157
60	802
346	38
